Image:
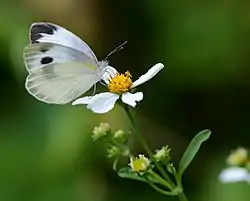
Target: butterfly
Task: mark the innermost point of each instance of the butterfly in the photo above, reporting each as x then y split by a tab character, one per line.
61	66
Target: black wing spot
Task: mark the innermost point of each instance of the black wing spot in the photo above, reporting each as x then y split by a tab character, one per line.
46	60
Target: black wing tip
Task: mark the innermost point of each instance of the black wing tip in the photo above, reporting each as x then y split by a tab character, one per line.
39	28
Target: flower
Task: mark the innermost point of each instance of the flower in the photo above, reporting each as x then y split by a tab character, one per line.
238	157
119	85
100	131
234	174
140	164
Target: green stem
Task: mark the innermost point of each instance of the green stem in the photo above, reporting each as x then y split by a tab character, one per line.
148	150
178	180
160	179
159	189
123	147
182	196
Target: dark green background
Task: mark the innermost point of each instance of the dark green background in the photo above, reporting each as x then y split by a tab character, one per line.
46	151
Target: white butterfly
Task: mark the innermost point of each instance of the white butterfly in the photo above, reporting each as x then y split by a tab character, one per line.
61	66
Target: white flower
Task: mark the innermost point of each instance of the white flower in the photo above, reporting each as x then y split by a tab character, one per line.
119	85
234	174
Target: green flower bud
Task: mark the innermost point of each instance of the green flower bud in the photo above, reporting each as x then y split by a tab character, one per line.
120	136
114	151
171	168
163	154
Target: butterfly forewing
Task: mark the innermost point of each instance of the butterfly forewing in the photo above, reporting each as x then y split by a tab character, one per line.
43	32
38	55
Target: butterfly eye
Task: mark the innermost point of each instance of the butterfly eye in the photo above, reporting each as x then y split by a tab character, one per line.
46	60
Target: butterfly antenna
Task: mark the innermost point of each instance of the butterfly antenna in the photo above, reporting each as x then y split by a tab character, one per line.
117	49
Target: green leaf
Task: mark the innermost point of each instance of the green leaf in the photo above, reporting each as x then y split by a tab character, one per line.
128	174
192	149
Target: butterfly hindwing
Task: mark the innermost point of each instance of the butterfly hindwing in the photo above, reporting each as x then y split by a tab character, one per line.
60	83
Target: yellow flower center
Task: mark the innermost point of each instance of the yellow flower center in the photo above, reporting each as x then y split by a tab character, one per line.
139	164
120	83
238	157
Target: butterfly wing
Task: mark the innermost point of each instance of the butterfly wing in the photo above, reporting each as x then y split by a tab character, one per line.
58	74
43	32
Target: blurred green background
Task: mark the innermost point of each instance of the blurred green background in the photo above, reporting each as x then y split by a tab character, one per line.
46	151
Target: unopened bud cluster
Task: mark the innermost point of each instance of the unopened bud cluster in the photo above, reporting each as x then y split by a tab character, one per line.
115	141
116	146
100	131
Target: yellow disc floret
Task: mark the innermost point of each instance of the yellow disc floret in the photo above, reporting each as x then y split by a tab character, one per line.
120	83
140	164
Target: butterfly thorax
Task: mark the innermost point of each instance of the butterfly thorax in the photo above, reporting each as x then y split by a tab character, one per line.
103	65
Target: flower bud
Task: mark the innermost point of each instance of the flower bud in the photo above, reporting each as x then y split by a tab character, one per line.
114	151
100	131
163	154
171	168
120	136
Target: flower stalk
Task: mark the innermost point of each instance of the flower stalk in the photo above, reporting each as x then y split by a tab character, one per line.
182	196
148	150
167	182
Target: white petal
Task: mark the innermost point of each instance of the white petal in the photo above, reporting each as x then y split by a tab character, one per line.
234	174
131	99
150	74
109	73
84	100
99	103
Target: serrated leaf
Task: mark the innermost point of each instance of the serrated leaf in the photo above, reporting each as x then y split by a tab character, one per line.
192	150
128	174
